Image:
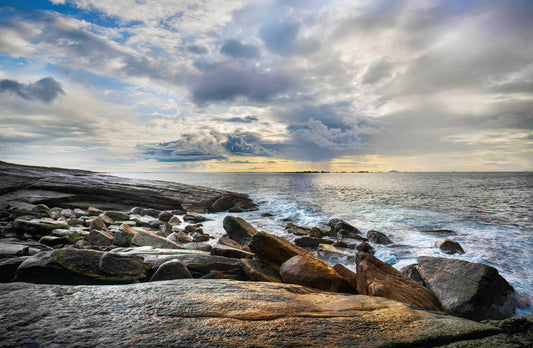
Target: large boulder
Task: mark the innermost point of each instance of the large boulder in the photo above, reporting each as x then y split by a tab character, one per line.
172	269
37	227
238	229
256	270
142	238
377	278
78	266
274	249
449	246
310	242
314	273
378	237
339	226
468	290
102	238
227	251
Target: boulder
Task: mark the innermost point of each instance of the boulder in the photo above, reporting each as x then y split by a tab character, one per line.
199	237
174	221
377	237
52	241
78	266
326	252
274	249
117	215
98	223
229	242
377	278
102	238
449	246
165	216
238	229
172	269
37	227
8	268
347	274
310	242
180	237
259	271
297	230
314	273
147	221
194	218
14	249
411	272
227	251
341	226
365	248
221	204
142	237
468	290
93	211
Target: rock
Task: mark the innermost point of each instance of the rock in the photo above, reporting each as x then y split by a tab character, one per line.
198	246
215	313
411	272
68	213
181	237
238	229
229	242
98	223
135	210
267	215
42	210
227	251
327	252
314	273
449	246
223	203
316	232
75	222
200	237
122	238
256	270
13	249
377	278
192	229
78	266
468	290
165	216
365	248
174	221
347	275
117	215
172	269
146	238
96	237
147	221
194	218
297	230
274	249
52	241
310	242
378	238
92	211
150	212
341	226
37	227
8	268
343	244
80	212
442	232
164	229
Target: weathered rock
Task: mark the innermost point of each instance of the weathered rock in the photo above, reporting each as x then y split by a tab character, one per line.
147	221
316	232
229	242
411	272
103	238
75	222
314	273
238	229
449	246
80	212
227	251
37	227
174	221
223	203
348	275
200	237
194	218
165	216
142	238
12	249
8	268
297	230
468	290
341	226
117	215
204	313
52	241
172	269
42	210
122	238
98	223
365	248
78	266
68	213
377	278
181	237
164	229
93	211
378	237
256	270
274	249
310	242
327	252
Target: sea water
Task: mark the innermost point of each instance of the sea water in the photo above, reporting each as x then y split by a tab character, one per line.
490	212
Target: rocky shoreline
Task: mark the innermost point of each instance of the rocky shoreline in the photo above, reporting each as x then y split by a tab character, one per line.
90	259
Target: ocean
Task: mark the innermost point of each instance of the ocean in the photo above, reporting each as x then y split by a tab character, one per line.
490	212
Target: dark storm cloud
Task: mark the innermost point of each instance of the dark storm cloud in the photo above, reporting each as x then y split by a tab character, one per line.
225	83
246	119
237	49
45	90
205	146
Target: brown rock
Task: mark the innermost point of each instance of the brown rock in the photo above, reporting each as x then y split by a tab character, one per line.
259	271
449	246
377	278
314	273
96	237
348	275
238	229
227	251
229	242
274	249
146	238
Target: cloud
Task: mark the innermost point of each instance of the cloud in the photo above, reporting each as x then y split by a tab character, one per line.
46	89
197	49
237	49
377	71
336	139
236	119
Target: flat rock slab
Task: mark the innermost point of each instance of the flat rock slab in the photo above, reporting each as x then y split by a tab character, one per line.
217	313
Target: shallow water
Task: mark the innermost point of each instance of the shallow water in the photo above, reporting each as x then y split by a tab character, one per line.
491	212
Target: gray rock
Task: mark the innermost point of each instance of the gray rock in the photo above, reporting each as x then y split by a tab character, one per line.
117	215
310	242
198	246
238	229
52	241
122	239
8	268
68	213
468	290
165	216
147	221
150	212
42	210
449	246
118	265
172	269
15	249
227	251
194	218
378	238
174	221
146	238
259	271
341	226
98	223
366	248
102	238
223	203
80	212
411	272
75	222
37	227
215	313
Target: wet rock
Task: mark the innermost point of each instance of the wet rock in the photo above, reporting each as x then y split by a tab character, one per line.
42	210
68	213
165	216
93	211
377	278
142	238
259	271
411	272
238	229
229	242
449	246
174	221
223	203
37	227
78	266
347	275
365	248
344	244
316	232
99	223
147	221
314	273
468	290
441	232
378	238
274	249
297	230
117	215
194	218
164	229
150	212
103	238
172	269
8	268
341	226
200	237
227	251
310	242
327	252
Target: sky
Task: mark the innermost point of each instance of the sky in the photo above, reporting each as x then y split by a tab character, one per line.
270	85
